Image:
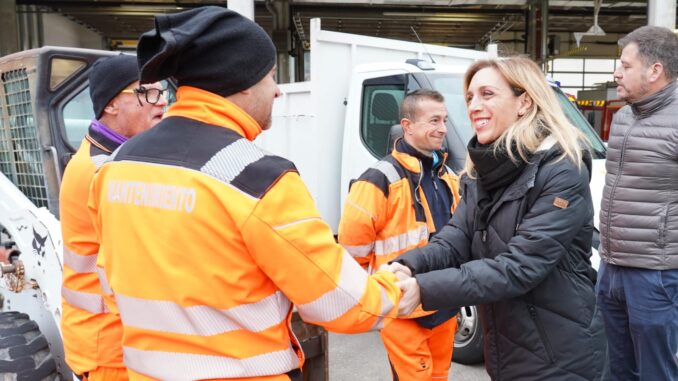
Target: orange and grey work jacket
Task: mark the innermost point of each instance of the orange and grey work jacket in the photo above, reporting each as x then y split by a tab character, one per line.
208	241
386	212
91	335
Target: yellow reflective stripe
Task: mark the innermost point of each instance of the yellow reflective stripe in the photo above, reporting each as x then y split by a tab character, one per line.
408	239
80	263
84	300
346	295
186	366
359	250
167	316
105	287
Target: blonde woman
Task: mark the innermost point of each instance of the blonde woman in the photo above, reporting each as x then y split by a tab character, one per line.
519	243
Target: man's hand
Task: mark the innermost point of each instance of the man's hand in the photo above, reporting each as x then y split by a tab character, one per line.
410	298
400	271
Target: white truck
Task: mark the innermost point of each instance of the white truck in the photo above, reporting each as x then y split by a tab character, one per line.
333	127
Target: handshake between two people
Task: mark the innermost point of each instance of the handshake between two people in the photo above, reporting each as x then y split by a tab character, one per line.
411	297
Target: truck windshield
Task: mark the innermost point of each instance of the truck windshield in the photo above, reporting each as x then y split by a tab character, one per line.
451	86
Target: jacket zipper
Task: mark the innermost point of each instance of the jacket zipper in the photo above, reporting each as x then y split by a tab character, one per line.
663	225
614	189
541	331
421	177
435	187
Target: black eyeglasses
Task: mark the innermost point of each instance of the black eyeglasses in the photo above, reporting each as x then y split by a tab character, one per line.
152	95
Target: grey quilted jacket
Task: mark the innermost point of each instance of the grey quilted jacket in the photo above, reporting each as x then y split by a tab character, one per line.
639	209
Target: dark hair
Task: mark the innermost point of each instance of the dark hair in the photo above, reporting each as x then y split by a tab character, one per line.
409	103
655	44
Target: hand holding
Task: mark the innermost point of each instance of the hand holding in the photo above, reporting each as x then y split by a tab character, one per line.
397	269
411	297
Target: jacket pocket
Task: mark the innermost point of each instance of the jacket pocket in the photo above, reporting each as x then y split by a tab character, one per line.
661	230
542	332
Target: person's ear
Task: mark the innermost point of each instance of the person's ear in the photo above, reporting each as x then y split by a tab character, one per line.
525	104
112	107
406	124
655	72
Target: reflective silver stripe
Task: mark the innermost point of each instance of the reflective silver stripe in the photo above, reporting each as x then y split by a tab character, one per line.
166	316
105	287
408	239
386	303
388	170
386	307
359	250
379	324
80	263
283	226
84	300
100	160
172	366
226	164
361	209
347	294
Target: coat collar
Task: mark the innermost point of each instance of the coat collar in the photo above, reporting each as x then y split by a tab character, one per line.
411	162
206	107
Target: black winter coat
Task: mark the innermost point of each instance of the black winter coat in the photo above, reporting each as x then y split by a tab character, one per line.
529	273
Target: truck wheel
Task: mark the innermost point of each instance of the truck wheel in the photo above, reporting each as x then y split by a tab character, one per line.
24	353
468	340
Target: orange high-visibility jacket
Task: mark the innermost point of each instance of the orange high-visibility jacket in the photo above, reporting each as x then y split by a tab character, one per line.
383	218
91	335
208	241
386	212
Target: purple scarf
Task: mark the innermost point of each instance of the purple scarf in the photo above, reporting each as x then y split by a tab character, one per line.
107	132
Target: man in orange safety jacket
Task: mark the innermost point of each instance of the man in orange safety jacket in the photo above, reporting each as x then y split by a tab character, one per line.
122	109
207	241
396	206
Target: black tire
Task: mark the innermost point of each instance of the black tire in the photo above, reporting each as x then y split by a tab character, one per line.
468	341
24	353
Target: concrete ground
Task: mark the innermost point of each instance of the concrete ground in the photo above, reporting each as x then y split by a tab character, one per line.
363	358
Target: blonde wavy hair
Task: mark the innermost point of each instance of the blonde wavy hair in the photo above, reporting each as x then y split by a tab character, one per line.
544	118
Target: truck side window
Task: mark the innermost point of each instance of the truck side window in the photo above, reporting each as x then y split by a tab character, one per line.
380	111
77	116
62	69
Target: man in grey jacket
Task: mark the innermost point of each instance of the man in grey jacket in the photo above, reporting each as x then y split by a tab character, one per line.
638	280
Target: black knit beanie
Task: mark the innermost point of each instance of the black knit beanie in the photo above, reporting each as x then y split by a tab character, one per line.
108	77
211	48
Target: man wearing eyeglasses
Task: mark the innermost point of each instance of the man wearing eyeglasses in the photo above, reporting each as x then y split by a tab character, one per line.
122	109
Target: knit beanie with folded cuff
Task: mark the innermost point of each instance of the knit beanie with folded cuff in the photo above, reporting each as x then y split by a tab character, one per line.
210	48
108	77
